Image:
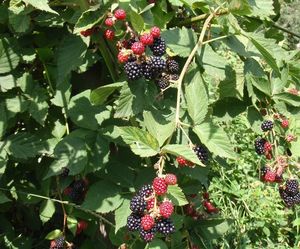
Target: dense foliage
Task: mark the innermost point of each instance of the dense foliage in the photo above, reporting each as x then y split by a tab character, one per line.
192	136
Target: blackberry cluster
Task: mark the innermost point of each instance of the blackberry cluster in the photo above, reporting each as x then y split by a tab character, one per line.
201	153
260	146
143	220
290	193
267	125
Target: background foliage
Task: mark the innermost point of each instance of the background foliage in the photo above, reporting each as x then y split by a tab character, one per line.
64	102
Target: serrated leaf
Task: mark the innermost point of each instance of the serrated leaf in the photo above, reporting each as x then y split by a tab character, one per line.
54	234
176	195
158	126
70	152
103	197
181	41
262	8
196	96
182	150
239	7
137	21
215	139
70	55
47	210
121	215
41	5
100	95
9	60
141	142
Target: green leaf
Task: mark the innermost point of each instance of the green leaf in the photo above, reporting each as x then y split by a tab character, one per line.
266	54
47	210
62	95
41	5
131	100
121	215
3	120
70	55
100	95
288	98
19	19
72	225
137	21
103	197
182	150
141	142
70	152
3	198
158	125
9	60
176	195
54	234
181	41
215	139
239	7
157	244
7	82
262	8
87	20
81	111
196	96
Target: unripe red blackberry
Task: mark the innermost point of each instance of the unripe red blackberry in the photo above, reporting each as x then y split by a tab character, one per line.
170	179
159	185
166	209
138	48
109	34
123	57
109	22
120	14
267	146
147	39
155	32
147	222
285	123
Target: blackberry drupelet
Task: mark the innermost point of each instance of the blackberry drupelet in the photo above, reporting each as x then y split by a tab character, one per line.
138	204
60	242
158	47
174	77
147	236
165	226
133	70
148	71
172	66
158	64
134	222
267	125
146	191
201	153
259	146
292	187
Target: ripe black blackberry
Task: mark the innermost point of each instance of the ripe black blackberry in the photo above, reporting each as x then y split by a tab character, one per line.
148	71
201	153
296	199
158	64
65	172
163	81
147	236
146	191
78	189
292	187
133	70
60	242
172	66
267	125
165	226
158	47
138	204
259	146
134	222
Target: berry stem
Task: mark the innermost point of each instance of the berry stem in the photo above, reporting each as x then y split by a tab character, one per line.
62	204
187	63
186	135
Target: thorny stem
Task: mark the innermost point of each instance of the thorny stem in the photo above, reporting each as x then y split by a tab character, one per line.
187	63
